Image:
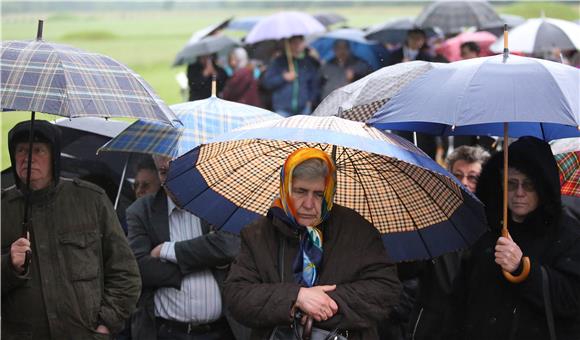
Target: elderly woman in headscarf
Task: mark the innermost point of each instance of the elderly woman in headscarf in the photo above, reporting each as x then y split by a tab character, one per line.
311	257
242	87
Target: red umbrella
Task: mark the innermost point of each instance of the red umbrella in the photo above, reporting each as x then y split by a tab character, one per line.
451	48
569	166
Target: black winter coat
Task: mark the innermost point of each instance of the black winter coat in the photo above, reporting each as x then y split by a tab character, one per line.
490	307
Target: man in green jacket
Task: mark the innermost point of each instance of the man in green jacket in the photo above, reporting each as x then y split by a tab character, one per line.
82	281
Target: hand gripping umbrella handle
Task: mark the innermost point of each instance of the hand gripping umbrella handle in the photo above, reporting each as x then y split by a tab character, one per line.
526	263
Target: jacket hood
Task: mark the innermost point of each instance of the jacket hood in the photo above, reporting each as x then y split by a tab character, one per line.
44	132
534	158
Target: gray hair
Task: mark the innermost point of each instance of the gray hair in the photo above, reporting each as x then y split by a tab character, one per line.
241	56
311	169
469	154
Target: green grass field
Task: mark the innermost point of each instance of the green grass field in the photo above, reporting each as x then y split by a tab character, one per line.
147	42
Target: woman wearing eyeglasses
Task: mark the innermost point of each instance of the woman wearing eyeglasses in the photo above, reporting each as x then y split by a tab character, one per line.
546	304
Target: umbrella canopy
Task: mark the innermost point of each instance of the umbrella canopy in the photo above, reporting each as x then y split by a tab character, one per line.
205	46
510	20
244	23
454	16
420	208
209	31
59	79
369	51
542	35
395	30
360	100
328	19
451	48
567	154
202	120
569	168
475	97
284	25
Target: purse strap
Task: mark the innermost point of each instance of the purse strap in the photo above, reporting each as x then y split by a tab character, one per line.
548	303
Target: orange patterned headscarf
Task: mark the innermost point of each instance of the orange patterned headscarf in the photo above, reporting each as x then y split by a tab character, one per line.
294	159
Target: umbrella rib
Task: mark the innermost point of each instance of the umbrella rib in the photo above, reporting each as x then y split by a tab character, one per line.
543	132
357	174
389	160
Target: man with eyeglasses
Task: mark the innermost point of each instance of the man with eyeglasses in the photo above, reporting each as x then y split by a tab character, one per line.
146	179
82	280
546	304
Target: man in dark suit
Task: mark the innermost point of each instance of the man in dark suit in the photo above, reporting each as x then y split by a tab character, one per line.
182	263
414	48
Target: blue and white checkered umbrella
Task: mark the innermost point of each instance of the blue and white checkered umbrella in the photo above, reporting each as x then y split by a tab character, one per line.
52	78
202	120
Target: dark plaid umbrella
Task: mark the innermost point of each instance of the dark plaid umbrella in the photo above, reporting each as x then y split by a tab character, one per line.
420	209
59	79
453	16
38	76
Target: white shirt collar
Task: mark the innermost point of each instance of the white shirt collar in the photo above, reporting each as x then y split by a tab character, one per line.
170	206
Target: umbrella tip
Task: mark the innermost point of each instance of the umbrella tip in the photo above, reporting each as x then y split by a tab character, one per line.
40	29
506	50
213	85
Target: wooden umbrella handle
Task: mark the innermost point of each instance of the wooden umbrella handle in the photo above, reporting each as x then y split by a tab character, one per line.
504	231
526	263
289	56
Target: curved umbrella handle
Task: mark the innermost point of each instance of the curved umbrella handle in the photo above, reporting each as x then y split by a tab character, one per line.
526	263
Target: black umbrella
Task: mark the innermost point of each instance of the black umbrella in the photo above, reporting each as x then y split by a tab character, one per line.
453	16
329	18
205	46
395	31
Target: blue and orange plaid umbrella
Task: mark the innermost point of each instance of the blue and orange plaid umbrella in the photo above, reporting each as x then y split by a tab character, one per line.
202	120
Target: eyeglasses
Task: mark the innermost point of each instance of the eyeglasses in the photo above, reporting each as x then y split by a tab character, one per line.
527	185
141	185
470	178
38	150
